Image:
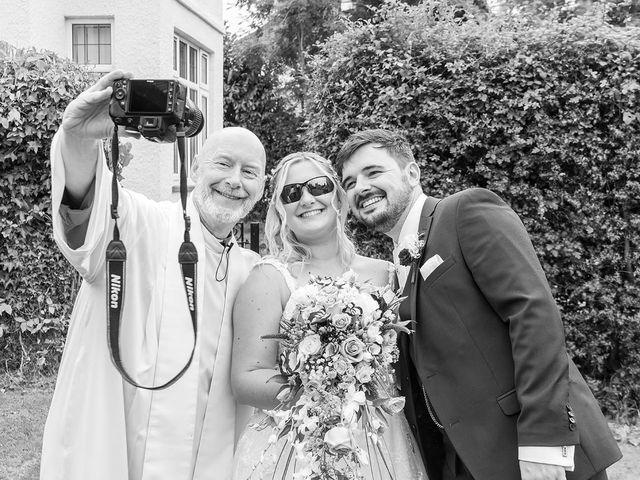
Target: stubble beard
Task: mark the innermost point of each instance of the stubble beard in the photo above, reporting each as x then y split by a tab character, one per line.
383	221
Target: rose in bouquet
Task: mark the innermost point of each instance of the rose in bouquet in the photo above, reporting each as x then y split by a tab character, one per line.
337	347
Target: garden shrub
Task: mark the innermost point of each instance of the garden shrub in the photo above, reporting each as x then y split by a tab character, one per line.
257	97
546	114
37	285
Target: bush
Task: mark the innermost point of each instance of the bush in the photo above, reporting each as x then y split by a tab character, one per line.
543	113
37	285
256	96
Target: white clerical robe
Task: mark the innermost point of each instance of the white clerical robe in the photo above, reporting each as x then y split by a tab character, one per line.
101	428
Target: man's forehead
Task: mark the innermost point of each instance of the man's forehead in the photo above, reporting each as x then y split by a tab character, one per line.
363	163
237	155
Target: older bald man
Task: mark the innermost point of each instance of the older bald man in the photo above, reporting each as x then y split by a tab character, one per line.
100	427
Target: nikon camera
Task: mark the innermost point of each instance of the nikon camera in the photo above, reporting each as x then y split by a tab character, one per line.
155	109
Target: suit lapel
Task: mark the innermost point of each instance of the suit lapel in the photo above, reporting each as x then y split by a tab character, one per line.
424	228
427	215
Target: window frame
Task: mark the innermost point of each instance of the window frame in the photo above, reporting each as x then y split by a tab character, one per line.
201	89
98	20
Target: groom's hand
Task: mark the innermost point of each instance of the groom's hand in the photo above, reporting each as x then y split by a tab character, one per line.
541	471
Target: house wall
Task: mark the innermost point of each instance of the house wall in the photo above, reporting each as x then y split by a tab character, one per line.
142	43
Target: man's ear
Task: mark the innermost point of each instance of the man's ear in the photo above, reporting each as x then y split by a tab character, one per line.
413	173
194	172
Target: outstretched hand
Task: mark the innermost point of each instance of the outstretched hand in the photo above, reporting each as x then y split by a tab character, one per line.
87	116
541	471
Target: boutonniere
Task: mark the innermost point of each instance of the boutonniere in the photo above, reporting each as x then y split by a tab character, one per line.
410	249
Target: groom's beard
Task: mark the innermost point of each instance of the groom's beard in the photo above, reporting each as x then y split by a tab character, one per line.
397	201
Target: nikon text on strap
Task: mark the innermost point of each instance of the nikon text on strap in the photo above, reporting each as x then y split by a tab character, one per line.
116	269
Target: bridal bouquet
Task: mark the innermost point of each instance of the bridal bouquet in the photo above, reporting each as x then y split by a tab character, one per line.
338	344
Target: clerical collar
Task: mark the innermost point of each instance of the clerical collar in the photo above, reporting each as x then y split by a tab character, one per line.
214	243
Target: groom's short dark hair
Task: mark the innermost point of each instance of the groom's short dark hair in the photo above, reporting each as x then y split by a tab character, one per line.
392	141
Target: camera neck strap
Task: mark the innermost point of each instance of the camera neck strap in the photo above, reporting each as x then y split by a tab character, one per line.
116	257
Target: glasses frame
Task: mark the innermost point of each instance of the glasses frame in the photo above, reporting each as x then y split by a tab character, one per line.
286	193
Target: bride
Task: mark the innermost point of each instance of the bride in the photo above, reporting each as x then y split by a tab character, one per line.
306	237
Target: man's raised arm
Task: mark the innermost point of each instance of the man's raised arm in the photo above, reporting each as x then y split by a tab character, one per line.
85	121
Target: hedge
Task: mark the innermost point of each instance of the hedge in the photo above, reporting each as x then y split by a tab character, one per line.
37	286
543	113
258	98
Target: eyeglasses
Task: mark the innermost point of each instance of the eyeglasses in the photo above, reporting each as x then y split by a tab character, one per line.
316	186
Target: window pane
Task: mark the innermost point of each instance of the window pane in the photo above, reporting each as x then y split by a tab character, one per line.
193	64
105	54
74	53
205	115
193	96
92	34
175	54
92	54
77	34
205	69
105	34
193	147
183	60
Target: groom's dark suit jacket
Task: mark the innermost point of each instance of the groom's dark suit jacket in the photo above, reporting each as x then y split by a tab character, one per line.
489	348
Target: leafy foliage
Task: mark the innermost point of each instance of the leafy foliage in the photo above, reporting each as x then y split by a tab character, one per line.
616	12
257	97
36	283
543	113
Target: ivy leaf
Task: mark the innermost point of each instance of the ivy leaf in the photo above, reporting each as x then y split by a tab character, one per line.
14	115
630	86
33	145
628	117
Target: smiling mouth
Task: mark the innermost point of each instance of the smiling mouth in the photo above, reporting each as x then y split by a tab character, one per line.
371	201
310	213
228	195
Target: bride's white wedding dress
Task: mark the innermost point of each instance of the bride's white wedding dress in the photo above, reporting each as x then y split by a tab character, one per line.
395	457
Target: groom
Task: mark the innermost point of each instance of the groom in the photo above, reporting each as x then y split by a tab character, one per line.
491	393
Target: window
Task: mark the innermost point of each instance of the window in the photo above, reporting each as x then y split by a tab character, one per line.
204	71
191	67
182	55
204	106
193	64
91	43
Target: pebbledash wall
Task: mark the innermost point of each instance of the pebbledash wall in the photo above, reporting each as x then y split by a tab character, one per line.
152	39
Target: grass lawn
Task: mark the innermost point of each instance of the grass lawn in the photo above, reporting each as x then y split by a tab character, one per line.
23	410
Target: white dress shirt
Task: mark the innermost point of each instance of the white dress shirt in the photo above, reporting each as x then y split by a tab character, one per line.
410	227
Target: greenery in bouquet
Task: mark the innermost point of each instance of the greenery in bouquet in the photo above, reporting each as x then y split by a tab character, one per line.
338	342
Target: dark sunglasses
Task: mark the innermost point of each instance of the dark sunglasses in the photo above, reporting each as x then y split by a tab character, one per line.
316	186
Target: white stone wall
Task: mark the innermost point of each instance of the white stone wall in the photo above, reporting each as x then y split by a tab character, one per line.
142	42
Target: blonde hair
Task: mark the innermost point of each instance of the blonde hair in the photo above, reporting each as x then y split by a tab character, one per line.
282	242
